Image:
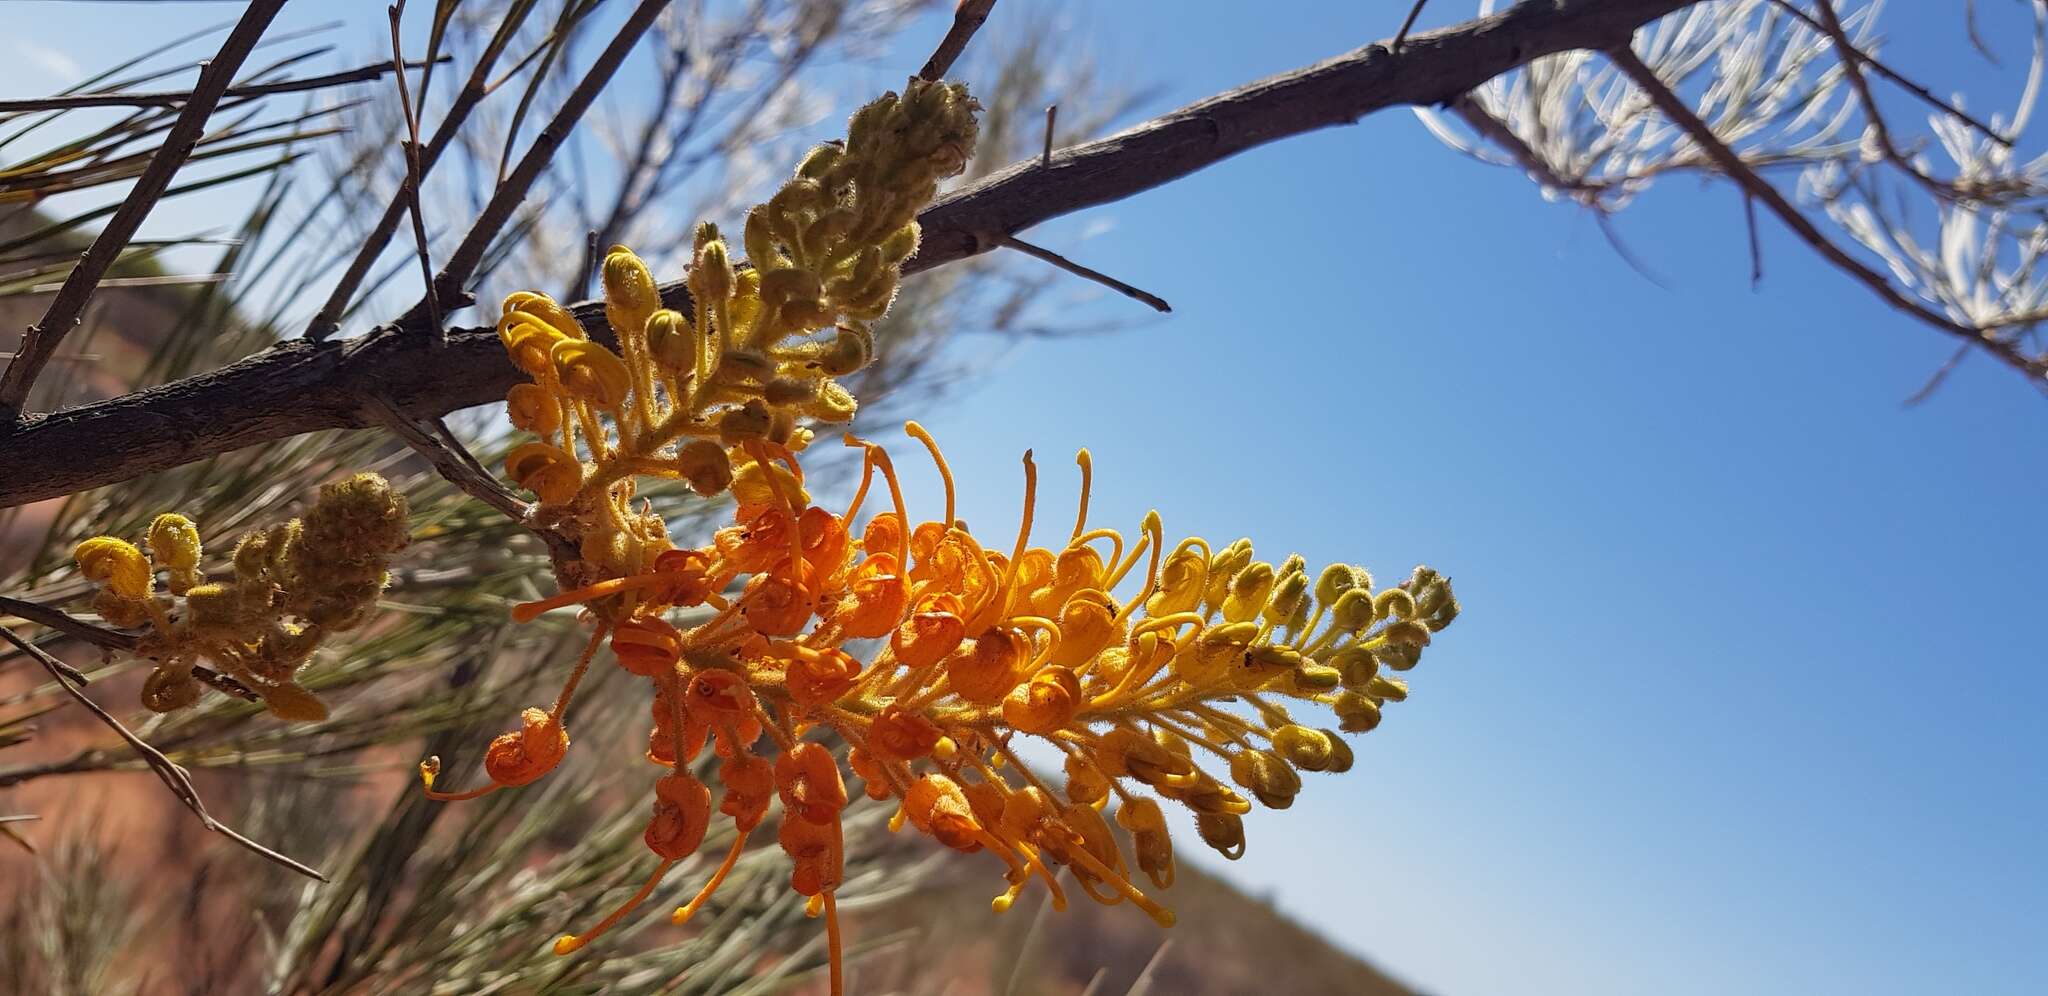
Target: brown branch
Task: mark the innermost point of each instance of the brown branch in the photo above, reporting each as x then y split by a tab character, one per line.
166	770
967	18
296	387
1732	165
452	460
448	287
41	339
173	98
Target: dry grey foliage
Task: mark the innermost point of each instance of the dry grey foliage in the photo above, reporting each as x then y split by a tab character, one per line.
1942	202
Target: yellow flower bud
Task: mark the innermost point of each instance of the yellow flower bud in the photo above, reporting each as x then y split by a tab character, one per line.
543	308
629	293
532	410
1248	592
1307	749
174	542
1223	832
1340	754
1356	712
1045	703
117	564
832	403
125	613
1354	611
1394	602
1355	666
1271	780
1149	840
1086	784
529	342
591	372
169	688
1389	689
672	341
1335	580
1290	595
547	471
704	464
711	275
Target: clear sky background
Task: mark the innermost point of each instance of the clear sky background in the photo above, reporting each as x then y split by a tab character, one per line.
1746	694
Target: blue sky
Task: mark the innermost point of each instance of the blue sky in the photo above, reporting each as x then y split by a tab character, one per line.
1744	695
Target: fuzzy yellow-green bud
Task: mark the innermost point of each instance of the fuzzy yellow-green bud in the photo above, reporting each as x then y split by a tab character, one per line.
901	243
1305	748
1223	832
1149	840
743	365
1395	603
1407	633
1398	656
1355	665
1248	592
169	688
1290	596
174	542
546	311
1335	580
711	276
749	421
672	341
832	403
851	348
1313	679
1387	689
214	605
1270	778
1356	712
1340	753
117	564
125	613
705	466
531	409
750	482
1223	570
592	373
629	292
820	160
547	471
1354	611
1086	784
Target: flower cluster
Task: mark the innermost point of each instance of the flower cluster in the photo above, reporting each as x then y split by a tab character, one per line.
293	584
912	642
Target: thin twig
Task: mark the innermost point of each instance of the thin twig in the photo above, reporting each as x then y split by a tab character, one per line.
328	320
41	339
1731	164
1158	303
1401	36
967	18
1756	249
173	98
51	617
1926	96
166	770
1052	113
436	333
1940	374
454	462
448	286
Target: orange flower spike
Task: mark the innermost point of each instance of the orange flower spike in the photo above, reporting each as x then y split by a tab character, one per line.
808	779
513	759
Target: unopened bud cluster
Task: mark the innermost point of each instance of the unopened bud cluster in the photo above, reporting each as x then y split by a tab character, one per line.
292	585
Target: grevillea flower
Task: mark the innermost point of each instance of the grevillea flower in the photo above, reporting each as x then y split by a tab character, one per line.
913	642
294	584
